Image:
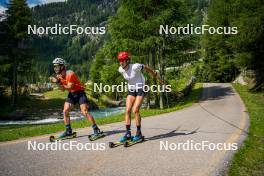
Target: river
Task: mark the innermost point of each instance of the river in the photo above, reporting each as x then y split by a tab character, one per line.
75	115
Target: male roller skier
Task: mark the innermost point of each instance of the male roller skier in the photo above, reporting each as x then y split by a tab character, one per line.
68	80
133	74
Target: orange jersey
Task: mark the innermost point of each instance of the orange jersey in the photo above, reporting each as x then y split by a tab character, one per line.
71	77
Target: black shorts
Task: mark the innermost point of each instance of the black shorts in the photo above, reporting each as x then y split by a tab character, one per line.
77	97
135	93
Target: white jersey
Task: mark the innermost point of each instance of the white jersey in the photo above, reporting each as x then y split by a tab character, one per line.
133	76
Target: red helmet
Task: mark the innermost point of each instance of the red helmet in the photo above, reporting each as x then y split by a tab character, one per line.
122	56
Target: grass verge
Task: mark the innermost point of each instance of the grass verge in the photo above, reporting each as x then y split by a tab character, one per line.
12	132
249	160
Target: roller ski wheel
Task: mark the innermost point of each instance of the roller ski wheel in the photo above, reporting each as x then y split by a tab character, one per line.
94	137
132	142
118	143
114	144
54	138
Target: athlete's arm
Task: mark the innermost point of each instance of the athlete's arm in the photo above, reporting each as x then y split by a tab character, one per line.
53	79
150	70
153	73
57	81
69	85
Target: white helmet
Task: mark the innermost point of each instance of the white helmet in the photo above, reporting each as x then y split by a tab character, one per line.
59	61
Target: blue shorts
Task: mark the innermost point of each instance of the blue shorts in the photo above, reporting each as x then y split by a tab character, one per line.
135	93
77	97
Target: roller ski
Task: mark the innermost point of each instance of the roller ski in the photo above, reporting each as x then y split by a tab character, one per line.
135	140
97	134
94	137
121	141
63	136
127	137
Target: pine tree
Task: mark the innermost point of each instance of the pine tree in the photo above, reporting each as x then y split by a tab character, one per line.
248	45
226	55
18	17
219	59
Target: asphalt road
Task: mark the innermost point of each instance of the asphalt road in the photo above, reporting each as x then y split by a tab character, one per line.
218	119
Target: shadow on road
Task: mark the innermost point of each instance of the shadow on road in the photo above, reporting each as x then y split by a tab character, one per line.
170	134
108	133
215	93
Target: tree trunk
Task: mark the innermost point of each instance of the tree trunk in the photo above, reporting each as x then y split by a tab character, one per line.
166	93
160	65
147	81
153	59
14	84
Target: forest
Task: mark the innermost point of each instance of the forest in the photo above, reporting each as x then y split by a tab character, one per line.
132	26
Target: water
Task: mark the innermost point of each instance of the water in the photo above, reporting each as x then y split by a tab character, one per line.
75	115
